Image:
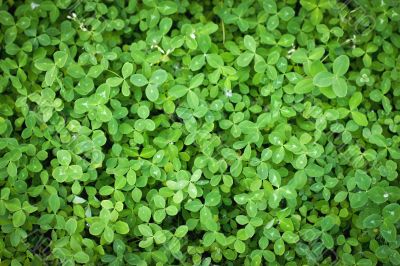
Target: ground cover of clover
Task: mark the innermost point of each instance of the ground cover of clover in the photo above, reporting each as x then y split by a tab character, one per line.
216	132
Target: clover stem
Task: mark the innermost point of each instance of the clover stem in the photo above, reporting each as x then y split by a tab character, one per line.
323	59
113	72
223	31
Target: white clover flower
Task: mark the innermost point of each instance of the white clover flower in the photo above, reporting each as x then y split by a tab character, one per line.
73	16
192	35
228	93
82	27
291	50
34	5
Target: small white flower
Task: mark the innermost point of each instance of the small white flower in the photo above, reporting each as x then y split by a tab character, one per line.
192	35
83	28
228	93
34	5
292	50
73	15
386	195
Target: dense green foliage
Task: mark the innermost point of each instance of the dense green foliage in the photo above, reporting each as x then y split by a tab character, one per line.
154	132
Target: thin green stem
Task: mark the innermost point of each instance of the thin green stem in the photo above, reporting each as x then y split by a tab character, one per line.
114	73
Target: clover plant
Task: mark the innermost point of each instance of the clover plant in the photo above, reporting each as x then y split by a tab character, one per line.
178	132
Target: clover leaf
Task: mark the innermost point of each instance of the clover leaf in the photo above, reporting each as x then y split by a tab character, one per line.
156	80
